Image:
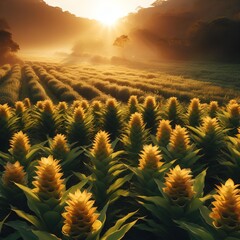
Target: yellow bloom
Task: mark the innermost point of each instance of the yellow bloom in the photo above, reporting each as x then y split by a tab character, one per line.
27	102
48	183
213	107
226	210
136	120
234	110
5	112
20	145
80	217
76	104
150	158
96	106
111	103
210	125
84	104
150	102
48	107
59	146
179	140
101	147
179	186
39	105
132	101
164	132
14	173
78	114
62	106
19	107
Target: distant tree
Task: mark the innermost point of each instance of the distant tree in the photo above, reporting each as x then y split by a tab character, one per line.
7	46
121	41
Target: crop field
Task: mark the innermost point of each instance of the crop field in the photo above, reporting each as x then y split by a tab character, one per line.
42	81
110	152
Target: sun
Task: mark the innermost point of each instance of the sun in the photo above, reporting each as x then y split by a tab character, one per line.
108	14
108	20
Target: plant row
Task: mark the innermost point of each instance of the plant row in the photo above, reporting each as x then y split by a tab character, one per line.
113	171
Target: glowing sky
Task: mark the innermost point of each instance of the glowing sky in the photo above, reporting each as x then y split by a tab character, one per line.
103	10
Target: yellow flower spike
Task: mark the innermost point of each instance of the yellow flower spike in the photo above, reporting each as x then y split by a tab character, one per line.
213	108
232	101
164	132
5	112
84	104
172	105
111	103
194	112
80	217
133	105
96	106
136	120
234	110
101	146
150	158
195	105
20	145
78	114
132	101
76	103
48	107
48	183
210	125
179	186
39	105
179	140
19	107
27	102
14	173
62	106
226	210
59	146
150	102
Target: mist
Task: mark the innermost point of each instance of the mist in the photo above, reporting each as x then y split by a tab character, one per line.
173	29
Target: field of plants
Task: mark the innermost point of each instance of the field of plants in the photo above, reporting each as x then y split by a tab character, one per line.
117	153
42	81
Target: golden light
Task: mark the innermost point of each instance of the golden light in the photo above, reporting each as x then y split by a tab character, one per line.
108	14
109	19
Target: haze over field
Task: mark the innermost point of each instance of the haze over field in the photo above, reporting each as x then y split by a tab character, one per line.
173	29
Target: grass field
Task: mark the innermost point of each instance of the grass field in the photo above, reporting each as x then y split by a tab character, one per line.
113	152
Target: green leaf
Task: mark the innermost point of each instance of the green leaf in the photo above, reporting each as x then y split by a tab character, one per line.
160	185
118	193
23	229
30	218
45	235
158	201
199	184
13	236
195	204
118	183
33	199
195	230
28	192
205	214
2	222
118	225
102	216
119	234
52	219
